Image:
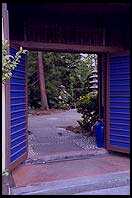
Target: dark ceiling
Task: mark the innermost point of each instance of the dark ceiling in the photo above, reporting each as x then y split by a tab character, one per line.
113	16
69	12
71	8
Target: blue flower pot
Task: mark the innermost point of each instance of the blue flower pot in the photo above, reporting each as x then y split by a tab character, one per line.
99	131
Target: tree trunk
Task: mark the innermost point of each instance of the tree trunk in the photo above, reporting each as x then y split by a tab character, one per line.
44	102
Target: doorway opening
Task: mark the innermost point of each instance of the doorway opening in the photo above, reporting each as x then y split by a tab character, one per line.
63	105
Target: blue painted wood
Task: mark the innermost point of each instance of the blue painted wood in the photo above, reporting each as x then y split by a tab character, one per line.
18	137
119	72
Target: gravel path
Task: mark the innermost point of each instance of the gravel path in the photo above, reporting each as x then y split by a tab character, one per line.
49	137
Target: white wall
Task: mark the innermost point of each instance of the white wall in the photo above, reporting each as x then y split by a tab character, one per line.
3	127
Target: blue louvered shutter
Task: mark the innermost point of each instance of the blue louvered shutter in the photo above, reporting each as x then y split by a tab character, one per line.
119	102
18	136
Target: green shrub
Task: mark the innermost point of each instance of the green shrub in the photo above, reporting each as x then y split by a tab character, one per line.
87	105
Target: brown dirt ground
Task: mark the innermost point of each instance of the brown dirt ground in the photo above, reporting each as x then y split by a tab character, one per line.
44	112
76	129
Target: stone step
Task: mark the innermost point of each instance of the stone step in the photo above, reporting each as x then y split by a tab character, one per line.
75	185
123	190
67	156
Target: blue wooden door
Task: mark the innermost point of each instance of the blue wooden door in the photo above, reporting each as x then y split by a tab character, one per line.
119	103
18	107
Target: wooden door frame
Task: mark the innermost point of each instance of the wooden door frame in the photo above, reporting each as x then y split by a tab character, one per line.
58	48
106	116
70	48
7	89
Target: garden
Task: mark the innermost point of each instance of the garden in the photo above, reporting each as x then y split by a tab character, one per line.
67	86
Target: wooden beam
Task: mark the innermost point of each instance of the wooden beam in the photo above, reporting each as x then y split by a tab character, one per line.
60	47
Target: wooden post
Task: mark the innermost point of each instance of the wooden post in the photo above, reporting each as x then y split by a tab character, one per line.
44	101
104	37
5	97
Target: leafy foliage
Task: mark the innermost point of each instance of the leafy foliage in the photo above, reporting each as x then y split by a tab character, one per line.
32	77
9	62
70	70
87	105
58	67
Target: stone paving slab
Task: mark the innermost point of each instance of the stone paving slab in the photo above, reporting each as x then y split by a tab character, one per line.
123	190
76	185
30	174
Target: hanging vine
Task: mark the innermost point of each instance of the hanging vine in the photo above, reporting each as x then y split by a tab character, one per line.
9	62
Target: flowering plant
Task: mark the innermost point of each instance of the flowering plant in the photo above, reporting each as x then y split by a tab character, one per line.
9	62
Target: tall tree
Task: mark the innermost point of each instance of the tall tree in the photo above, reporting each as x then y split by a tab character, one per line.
70	70
44	102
